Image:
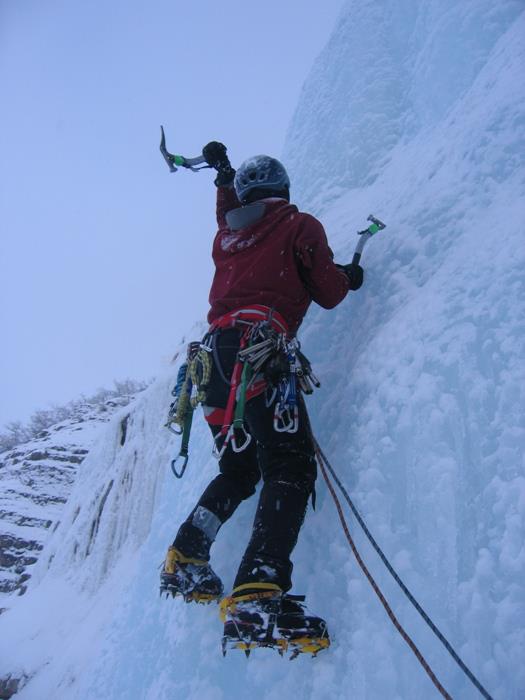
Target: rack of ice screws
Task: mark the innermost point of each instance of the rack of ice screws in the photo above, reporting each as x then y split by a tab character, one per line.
285	368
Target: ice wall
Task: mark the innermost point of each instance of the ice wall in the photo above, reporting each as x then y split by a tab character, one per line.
390	69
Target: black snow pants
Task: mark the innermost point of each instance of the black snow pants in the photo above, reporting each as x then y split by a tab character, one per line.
286	462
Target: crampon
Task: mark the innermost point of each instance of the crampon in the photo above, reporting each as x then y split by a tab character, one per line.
269	618
192	579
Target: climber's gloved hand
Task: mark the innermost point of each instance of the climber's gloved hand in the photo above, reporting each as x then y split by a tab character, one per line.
225	176
354	273
215	155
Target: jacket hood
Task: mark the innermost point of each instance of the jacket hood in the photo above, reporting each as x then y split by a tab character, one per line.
265	214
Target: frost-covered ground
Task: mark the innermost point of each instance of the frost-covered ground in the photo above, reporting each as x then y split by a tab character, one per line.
421	413
36	478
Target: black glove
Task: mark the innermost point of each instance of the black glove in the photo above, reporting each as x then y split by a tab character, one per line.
215	155
354	273
225	176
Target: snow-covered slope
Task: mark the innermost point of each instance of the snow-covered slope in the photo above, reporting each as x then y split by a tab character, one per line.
36	478
421	412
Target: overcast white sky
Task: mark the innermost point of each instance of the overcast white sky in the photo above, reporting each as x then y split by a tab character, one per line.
104	255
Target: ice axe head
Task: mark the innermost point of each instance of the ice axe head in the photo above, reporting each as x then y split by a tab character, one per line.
374	227
173	160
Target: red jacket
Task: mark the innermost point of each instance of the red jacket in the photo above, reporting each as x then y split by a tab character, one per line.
283	261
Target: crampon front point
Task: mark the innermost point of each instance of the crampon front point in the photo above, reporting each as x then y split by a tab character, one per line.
295	646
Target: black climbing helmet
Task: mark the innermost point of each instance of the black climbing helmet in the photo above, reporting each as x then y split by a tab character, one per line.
264	174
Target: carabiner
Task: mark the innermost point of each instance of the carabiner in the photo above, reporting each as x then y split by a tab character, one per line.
185	457
233	439
293	420
218	452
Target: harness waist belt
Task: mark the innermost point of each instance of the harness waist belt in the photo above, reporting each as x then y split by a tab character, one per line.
251	314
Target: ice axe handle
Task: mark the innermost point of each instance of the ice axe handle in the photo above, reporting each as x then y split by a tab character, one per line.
356	258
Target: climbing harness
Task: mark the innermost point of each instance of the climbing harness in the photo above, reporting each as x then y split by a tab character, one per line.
267	360
181	161
326	469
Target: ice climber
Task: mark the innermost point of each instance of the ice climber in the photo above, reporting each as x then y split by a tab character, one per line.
271	262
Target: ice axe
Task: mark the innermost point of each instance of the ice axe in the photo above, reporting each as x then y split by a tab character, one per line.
181	161
365	236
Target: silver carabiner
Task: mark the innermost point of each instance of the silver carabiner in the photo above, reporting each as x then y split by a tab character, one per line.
295	420
216	452
287	427
233	439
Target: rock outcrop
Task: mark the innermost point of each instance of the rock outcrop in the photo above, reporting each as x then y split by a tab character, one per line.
35	482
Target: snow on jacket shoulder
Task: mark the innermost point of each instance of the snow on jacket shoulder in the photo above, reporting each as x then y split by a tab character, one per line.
282	261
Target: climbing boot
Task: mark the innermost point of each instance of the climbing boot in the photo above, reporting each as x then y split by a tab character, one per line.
261	615
193	579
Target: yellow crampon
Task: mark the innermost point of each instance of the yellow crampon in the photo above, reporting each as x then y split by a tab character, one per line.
298	645
229	603
307	645
304	645
202	598
174	557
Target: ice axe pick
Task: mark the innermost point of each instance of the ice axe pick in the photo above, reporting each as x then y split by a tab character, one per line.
181	161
